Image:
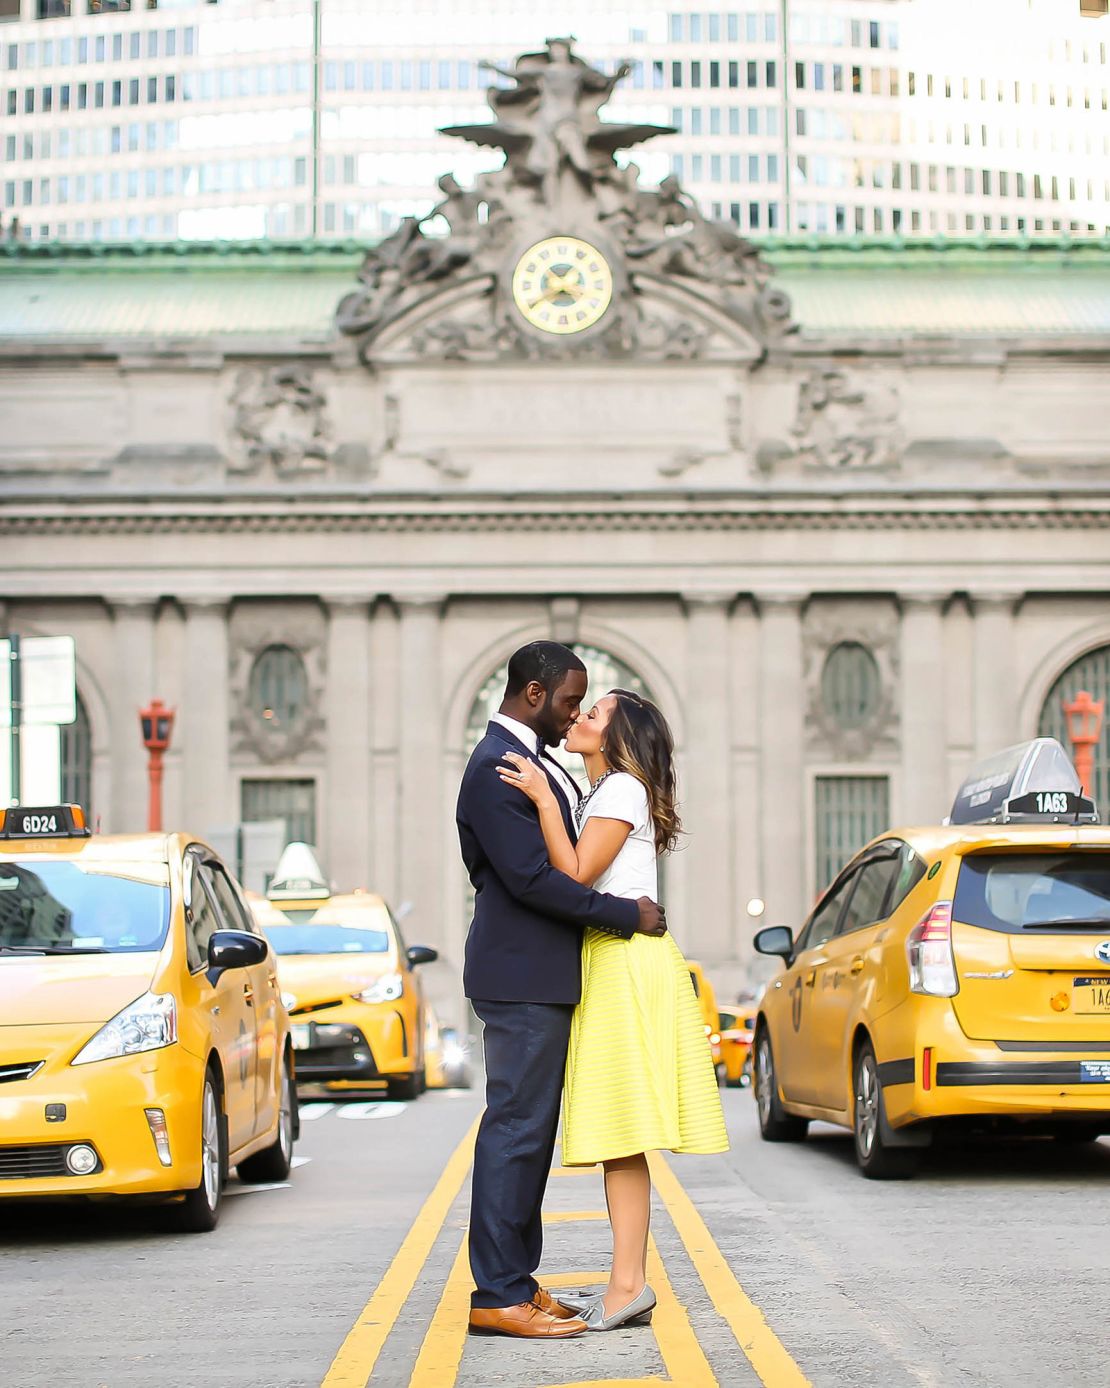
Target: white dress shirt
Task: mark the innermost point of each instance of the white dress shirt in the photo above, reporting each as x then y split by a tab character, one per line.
523	733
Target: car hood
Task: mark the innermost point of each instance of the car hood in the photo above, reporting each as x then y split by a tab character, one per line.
36	989
315	978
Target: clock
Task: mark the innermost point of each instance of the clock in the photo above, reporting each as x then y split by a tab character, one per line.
562	284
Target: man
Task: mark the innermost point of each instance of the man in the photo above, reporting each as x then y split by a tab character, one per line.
523	976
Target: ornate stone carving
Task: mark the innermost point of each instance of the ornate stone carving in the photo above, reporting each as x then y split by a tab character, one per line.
560	176
253	630
829	623
279	421
845	423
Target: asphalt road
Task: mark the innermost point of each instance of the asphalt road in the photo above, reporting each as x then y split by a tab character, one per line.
992	1268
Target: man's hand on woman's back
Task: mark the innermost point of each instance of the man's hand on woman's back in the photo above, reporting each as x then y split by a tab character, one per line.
653	918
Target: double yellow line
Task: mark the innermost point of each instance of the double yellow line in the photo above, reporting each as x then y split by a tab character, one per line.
437	1365
353	1365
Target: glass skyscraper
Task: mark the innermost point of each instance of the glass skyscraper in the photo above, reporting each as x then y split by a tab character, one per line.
237	119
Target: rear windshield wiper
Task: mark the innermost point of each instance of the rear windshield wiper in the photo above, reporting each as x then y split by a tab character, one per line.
1101	923
52	949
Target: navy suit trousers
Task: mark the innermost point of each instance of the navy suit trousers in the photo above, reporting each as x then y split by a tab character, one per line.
525	1050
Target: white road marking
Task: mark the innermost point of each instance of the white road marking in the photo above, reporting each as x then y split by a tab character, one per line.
310	1111
359	1111
300	1161
234	1188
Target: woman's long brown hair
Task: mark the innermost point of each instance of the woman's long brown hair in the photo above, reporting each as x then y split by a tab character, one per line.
638	740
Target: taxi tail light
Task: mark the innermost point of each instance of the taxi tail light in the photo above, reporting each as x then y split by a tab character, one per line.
929	951
927	1068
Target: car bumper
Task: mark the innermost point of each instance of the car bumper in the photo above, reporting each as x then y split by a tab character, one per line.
358	1043
965	1078
104	1108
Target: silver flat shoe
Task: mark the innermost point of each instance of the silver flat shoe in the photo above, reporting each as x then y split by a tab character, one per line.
578	1301
637	1312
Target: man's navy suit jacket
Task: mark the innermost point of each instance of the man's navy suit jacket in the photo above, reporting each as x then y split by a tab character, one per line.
525	941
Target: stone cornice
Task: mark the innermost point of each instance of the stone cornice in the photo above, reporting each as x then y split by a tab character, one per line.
706	515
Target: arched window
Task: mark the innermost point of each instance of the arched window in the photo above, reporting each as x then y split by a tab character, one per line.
605	671
851	685
76	757
1092	673
279	687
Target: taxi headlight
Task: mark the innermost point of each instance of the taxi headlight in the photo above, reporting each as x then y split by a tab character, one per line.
453	1054
388	988
147	1024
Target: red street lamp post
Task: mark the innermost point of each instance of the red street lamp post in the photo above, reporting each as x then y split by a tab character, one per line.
156	721
1084	716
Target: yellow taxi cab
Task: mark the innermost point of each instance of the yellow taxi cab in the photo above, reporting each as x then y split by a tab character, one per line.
355	1000
144	1048
707	1006
737	1033
956	972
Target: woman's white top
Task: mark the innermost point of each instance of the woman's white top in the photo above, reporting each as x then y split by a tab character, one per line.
634	871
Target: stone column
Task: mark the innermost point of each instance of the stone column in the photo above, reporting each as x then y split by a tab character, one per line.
782	791
348	742
994	694
924	795
202	728
705	796
133	686
745	751
959	701
422	814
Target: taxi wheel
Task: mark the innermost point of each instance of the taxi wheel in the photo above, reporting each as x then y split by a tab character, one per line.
775	1124
199	1212
405	1087
275	1162
875	1159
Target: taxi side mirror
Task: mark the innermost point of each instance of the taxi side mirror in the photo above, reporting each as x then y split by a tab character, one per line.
775	939
235	949
421	954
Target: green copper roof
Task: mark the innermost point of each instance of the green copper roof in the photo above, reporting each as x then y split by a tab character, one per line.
843	287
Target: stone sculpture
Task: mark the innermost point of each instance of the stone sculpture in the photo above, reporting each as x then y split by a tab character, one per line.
561	177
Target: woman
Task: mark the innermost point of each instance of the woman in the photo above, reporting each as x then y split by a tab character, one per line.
639	1070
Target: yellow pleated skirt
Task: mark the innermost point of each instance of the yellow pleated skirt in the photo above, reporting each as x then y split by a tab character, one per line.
639	1072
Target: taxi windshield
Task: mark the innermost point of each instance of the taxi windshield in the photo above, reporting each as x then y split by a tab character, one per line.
321	937
1030	891
57	907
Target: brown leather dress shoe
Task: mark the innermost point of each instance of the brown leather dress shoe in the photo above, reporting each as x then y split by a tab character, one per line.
546	1302
525	1322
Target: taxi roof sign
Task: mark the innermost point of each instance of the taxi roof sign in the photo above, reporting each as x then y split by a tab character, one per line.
298	875
43	822
1031	782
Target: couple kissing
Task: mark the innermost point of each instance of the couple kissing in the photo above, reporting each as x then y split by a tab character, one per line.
584	996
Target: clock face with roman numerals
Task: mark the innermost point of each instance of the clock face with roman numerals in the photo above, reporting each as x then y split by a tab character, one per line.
562	284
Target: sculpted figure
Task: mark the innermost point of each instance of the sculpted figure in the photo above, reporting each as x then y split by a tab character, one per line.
549	119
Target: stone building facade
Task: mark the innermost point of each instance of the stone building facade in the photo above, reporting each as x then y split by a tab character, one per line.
842	509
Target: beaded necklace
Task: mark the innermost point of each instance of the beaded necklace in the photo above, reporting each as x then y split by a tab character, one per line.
580	809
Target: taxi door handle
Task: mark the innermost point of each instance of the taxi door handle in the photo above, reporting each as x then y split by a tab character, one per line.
857	965
248	993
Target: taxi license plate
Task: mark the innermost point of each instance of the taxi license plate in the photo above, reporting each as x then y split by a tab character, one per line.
301	1034
1091	996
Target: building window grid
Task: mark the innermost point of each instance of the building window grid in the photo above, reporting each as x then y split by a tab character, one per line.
849	811
883	79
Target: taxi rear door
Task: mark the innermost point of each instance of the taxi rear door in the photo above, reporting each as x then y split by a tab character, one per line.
843	974
798	1044
261	994
225	999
